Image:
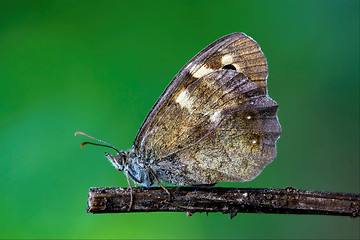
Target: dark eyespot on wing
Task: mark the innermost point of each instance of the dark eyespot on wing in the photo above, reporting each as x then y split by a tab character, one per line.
229	67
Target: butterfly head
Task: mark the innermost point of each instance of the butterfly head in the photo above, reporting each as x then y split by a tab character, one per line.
128	161
119	161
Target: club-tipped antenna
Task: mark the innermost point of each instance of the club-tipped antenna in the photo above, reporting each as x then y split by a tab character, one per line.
105	143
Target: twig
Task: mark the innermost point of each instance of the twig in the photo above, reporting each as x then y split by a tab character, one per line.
225	200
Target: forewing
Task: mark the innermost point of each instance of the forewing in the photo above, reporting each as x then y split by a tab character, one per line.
234	51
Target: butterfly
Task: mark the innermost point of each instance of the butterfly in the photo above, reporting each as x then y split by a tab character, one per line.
213	123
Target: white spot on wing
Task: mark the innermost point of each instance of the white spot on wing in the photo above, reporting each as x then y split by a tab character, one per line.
190	65
215	117
226	59
202	71
184	100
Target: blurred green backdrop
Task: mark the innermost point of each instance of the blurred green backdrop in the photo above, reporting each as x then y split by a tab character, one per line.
99	66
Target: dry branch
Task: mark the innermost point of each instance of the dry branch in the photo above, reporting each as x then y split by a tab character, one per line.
225	200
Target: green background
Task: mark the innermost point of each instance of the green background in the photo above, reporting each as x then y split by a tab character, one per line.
99	66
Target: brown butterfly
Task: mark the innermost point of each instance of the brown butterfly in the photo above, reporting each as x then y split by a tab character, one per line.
213	123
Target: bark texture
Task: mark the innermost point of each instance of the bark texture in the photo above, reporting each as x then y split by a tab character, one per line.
225	200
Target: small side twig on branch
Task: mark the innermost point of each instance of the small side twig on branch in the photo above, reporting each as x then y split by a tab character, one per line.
225	200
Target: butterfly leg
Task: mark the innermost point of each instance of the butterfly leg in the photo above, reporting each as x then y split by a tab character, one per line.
131	190
158	182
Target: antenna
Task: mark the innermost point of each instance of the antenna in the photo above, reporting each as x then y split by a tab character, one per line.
103	145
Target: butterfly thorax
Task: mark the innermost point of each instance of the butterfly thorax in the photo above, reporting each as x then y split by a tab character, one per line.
134	164
138	168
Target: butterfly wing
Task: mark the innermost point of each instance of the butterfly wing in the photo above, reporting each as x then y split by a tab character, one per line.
236	50
211	125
